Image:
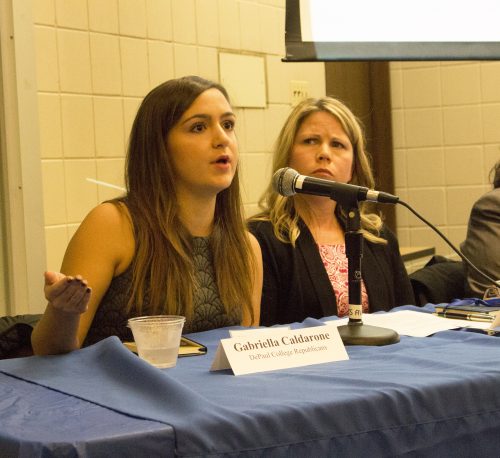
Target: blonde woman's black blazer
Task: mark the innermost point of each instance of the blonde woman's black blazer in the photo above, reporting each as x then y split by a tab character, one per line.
296	284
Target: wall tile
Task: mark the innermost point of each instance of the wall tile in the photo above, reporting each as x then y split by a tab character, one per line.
250	31
130	107
490	79
135	66
396	87
56	241
464	165
72	14
132	18
398	129
81	195
279	74
54	197
400	177
425	236
278	81
240	128
207	22
274	118
279	3
425	167
453	63
229	34
491	157
161	62
423	127
110	171
402	213
77	126
272	28
74	61
461	85
184	21
103	16
312	72
491	123
159	17
462	125
255	129
429	203
460	201
44	12
253	165
185	60
109	133
49	115
106	68
208	63
47	65
406	65
421	87
244	78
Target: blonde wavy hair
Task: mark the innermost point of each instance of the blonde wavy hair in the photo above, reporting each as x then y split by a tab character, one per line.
281	210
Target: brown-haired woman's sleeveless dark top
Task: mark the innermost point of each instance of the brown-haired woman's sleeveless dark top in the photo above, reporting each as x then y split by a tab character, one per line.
208	311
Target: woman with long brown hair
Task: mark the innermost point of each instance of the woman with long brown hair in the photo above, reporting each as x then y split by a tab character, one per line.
175	243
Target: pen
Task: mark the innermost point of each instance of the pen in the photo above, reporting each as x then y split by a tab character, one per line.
488	332
469	316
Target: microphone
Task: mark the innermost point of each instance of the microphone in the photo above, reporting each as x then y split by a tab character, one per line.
287	182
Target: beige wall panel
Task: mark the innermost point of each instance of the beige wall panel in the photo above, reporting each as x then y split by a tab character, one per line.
103	16
105	64
78	126
50	118
74	61
159	15
132	18
72	14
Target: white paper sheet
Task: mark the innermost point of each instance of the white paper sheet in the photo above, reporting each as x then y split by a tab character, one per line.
414	324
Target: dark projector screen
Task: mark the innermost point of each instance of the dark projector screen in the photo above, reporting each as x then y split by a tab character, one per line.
337	30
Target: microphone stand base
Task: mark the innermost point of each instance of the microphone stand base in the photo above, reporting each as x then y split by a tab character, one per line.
363	334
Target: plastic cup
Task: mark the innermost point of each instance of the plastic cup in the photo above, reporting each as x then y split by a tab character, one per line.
158	338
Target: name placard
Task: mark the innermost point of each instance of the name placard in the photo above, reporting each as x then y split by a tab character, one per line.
262	350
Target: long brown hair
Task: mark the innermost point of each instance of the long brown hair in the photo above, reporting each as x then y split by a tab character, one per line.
281	210
163	267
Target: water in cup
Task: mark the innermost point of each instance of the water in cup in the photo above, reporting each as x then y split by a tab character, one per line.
158	338
160	357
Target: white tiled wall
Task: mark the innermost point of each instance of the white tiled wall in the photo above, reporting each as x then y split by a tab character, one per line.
96	60
446	124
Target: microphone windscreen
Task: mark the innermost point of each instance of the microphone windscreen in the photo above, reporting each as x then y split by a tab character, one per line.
284	181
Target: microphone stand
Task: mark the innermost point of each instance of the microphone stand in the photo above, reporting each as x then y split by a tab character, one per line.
355	332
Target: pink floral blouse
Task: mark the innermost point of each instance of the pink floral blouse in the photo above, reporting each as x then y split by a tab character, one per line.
335	262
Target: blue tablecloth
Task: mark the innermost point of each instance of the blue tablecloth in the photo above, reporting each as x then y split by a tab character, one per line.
436	396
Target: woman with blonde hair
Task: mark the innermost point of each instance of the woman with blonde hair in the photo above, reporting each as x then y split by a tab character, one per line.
302	237
175	243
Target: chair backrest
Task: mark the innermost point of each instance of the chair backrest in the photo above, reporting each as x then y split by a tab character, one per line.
15	335
438	282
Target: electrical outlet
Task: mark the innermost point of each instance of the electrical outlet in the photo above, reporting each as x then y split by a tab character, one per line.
299	90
